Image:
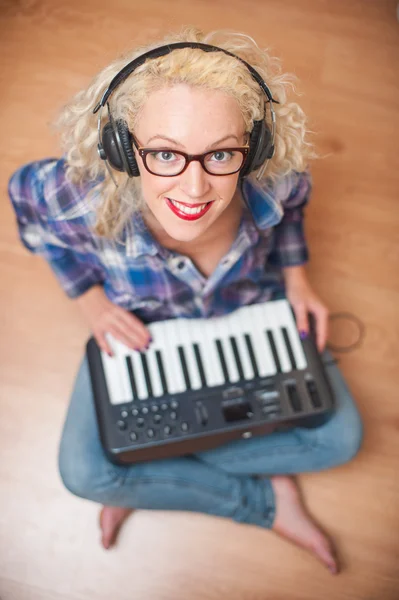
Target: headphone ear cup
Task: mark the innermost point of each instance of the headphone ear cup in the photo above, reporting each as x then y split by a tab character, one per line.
126	142
110	146
260	147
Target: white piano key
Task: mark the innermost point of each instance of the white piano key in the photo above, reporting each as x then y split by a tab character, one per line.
287	320
185	337
209	354
155	377
197	337
274	325
141	385
244	356
121	351
224	330
171	358
114	385
265	360
158	334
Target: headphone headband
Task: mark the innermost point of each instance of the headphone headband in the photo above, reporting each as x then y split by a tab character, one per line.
115	140
163	51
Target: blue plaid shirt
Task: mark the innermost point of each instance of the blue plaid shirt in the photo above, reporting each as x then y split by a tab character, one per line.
56	221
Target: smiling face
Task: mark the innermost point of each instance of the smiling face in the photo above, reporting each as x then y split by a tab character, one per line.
188	206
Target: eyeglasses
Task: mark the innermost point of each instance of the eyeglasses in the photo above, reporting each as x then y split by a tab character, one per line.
169	163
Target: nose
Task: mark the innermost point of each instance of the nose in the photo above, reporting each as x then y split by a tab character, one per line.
195	181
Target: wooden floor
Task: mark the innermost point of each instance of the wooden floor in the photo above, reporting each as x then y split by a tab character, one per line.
346	55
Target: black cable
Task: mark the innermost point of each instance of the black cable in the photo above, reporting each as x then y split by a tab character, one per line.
361	328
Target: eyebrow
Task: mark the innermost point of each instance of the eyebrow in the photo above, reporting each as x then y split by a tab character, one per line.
172	141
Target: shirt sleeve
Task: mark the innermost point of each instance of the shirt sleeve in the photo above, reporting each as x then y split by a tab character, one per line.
289	247
76	269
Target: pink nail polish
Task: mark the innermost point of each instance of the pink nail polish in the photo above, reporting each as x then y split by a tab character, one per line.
303	335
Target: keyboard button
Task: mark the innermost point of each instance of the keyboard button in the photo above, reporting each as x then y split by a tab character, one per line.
167	430
121	425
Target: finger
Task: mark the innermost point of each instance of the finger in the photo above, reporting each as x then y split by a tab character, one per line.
130	340
301	317
321	328
104	343
132	326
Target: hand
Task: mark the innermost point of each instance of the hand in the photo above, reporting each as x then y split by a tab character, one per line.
104	317
303	301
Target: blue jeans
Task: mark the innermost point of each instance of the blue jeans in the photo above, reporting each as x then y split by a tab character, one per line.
224	481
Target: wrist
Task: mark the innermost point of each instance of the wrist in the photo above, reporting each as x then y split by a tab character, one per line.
294	275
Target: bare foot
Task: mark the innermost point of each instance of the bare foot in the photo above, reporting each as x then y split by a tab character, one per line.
292	522
111	520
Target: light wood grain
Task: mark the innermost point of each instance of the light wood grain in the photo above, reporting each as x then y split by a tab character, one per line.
345	54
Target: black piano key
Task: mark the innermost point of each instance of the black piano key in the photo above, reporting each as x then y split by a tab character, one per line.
251	354
200	365
289	348
222	360
314	394
183	362
131	376
146	373
237	357
161	371
294	397
273	348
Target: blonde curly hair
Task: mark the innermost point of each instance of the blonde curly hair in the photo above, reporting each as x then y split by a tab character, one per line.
213	70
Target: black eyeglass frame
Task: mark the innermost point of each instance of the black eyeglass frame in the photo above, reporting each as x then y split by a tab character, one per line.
143	152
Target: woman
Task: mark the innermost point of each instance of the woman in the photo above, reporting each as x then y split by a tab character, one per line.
186	199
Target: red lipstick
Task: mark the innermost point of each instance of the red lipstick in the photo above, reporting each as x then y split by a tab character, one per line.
185	216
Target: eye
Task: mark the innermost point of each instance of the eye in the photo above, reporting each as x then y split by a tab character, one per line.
163	155
221	156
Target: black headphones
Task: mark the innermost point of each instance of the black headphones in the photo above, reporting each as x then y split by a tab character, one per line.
115	143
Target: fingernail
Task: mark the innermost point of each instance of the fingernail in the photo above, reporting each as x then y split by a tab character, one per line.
303	334
151	340
110	354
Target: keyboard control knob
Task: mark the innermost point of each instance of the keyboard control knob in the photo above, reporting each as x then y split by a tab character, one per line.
144	410
124	414
135	412
150	433
164	406
174	404
155	408
140	422
167	430
173	415
121	425
157	418
184	426
133	436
